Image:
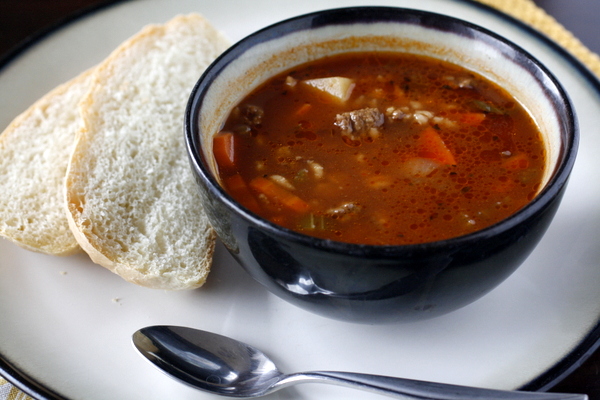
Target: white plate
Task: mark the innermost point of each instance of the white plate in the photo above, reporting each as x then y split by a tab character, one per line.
67	323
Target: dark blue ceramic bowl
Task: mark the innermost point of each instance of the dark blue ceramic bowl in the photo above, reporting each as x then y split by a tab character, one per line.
363	283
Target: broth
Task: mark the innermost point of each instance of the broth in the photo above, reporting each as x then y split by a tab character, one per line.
381	149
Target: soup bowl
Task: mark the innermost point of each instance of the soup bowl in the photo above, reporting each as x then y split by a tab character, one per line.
372	283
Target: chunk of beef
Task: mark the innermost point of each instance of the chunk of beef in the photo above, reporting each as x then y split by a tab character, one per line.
252	115
360	123
344	211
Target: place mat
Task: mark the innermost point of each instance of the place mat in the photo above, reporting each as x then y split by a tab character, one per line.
526	11
9	392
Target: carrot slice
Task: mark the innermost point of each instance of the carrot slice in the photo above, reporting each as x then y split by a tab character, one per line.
238	189
430	145
471	118
304	108
516	162
504	186
278	194
224	150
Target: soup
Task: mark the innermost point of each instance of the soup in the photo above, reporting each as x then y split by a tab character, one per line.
380	149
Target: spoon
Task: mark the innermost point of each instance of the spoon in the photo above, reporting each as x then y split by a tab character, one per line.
224	366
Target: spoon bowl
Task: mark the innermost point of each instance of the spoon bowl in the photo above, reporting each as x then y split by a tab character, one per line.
224	366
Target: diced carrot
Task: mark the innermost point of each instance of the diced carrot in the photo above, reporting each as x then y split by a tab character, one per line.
398	93
504	186
279	194
430	145
516	162
239	190
304	108
224	150
471	118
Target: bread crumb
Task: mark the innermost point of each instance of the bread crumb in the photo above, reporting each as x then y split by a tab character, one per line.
116	300
63	272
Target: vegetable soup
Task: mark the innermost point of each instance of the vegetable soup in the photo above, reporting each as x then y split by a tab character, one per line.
381	149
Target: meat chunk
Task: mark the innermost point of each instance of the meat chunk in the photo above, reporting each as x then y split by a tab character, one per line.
344	211
361	123
251	115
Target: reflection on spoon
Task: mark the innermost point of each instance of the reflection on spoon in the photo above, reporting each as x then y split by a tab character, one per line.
224	366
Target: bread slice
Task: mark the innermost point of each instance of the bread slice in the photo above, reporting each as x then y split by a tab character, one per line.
34	153
132	202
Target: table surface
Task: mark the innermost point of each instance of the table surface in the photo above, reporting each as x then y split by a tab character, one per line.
20	19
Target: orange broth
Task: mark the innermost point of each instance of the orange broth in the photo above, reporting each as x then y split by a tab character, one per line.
390	149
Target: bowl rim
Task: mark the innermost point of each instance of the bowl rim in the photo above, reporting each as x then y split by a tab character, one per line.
364	15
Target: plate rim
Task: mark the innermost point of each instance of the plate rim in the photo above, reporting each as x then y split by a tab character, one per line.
552	376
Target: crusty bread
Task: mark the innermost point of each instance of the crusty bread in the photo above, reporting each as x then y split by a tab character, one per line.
132	202
34	153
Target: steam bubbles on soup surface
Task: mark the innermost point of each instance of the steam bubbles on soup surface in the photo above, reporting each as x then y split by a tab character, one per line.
380	149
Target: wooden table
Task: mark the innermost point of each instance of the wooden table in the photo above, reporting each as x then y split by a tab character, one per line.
21	18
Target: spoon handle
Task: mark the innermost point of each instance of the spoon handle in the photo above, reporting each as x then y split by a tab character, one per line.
421	390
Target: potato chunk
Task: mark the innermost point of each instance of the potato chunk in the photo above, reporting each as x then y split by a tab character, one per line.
339	88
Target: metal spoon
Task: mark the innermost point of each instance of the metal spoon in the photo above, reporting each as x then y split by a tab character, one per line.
224	366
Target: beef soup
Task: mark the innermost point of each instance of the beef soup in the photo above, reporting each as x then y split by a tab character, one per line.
357	128
380	148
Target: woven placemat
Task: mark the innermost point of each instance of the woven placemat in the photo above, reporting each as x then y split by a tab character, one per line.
9	392
526	11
